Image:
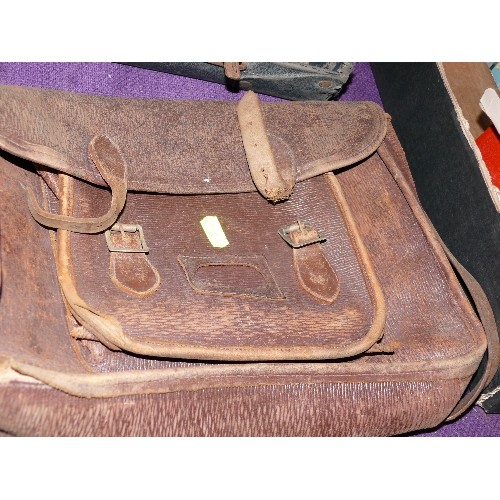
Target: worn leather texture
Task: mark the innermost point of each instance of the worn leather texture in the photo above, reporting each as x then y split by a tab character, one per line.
412	378
159	139
426	104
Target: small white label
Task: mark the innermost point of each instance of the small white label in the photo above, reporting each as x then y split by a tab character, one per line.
214	231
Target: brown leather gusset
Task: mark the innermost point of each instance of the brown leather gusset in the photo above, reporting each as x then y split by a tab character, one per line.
182	147
388	151
272	182
490	327
112	168
131	272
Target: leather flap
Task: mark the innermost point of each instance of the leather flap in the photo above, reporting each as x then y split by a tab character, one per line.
183	147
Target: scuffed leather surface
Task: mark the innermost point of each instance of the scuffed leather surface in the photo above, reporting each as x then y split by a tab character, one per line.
177	314
131	272
162	140
370	409
32	313
423	317
447	174
427	315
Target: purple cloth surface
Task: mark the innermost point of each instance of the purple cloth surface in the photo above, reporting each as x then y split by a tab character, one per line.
126	81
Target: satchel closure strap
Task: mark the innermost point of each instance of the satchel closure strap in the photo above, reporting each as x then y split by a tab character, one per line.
112	167
274	182
314	273
129	267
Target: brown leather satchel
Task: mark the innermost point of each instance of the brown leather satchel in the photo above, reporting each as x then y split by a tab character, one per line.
197	268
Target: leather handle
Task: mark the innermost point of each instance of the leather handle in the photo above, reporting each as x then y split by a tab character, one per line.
112	167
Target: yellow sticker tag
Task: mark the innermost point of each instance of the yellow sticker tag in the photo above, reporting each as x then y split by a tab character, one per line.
214	231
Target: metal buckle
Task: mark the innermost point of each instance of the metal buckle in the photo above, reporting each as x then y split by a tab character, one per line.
126	228
304	229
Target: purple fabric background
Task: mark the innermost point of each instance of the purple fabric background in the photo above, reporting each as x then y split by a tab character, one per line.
125	81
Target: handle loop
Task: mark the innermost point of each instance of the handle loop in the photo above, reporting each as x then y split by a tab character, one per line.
112	167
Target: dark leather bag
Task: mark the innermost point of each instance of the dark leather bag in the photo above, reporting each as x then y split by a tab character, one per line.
289	80
197	268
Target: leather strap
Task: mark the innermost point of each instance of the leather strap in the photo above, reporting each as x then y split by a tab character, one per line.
232	70
129	267
112	167
275	182
479	297
314	273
